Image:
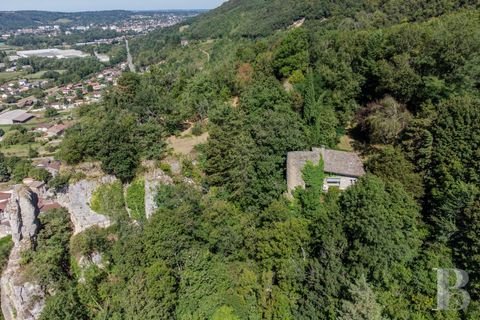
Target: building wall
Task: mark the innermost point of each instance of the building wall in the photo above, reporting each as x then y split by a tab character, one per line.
295	163
345	182
6	121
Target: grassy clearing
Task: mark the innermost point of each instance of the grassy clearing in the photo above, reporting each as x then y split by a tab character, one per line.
345	143
40	75
35	76
9	76
19	150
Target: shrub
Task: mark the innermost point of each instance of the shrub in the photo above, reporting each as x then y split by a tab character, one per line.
136	199
108	200
49	262
40	174
14	137
59	182
51	113
6	245
165	167
32	153
88	242
197	129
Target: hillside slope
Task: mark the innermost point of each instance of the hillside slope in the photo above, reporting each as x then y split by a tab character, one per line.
225	243
254	18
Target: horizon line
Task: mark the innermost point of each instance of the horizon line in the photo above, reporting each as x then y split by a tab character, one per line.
106	10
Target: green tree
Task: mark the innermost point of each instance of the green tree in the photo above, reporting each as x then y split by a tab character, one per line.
465	244
152	293
390	164
20	169
363	304
384	121
51	113
326	275
118	152
4	170
292	54
225	313
64	305
229	153
320	117
381	221
310	198
32	153
454	166
49	262
40	174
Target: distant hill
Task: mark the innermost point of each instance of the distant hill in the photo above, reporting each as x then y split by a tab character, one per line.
29	19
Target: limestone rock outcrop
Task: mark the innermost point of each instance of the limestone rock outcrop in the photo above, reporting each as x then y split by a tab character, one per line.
22	211
77	200
153	180
20	299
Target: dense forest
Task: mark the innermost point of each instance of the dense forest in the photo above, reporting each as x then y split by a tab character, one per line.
400	77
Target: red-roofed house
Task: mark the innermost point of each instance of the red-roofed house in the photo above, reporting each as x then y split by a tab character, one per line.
56	130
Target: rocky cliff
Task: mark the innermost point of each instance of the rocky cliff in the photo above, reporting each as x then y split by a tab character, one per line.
153	180
77	200
20	299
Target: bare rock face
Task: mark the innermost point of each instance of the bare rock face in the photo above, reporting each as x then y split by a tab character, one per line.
22	211
153	180
77	200
21	300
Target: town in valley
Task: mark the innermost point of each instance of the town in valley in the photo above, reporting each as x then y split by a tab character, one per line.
39	103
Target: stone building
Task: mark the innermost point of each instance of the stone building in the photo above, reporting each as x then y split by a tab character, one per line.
342	169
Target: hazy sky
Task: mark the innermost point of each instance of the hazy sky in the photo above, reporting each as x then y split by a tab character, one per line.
89	5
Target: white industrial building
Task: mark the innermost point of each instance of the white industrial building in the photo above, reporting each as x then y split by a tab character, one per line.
52	53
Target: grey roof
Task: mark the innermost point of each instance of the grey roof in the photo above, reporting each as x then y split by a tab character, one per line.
16	115
336	162
24	117
342	163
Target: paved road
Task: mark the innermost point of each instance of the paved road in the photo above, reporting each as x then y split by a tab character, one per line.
129	58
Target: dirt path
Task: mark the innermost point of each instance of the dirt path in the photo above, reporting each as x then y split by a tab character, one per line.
207	54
